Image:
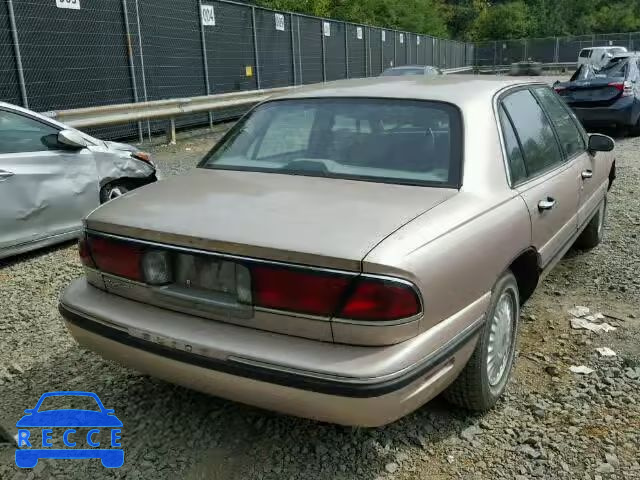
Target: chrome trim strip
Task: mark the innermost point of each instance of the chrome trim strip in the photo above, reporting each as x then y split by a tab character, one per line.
460	337
218	254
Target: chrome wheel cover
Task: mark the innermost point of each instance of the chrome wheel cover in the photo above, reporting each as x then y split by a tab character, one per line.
501	338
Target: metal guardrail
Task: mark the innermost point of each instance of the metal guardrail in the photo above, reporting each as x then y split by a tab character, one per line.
170	109
506	68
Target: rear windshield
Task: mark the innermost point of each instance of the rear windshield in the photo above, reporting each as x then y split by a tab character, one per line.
392	141
398	72
616	67
585	53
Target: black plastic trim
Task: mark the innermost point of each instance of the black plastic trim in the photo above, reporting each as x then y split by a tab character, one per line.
278	377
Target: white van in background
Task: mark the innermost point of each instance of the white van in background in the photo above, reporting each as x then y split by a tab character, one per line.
598	56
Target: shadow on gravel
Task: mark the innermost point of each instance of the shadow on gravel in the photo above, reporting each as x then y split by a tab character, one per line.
171	430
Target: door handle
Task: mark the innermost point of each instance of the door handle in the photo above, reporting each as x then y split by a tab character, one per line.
4	175
587	174
546	204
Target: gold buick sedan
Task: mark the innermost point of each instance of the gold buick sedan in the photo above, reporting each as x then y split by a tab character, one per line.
350	250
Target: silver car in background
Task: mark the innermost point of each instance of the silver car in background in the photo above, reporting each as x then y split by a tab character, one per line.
52	176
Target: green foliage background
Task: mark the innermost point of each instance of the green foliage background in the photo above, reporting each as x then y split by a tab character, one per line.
479	19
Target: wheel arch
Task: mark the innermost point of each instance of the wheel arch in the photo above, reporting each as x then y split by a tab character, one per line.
526	268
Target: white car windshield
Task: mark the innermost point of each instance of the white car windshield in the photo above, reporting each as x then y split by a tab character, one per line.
388	140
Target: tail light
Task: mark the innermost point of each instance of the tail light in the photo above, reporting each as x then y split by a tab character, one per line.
85	253
375	299
297	290
560	90
144	156
333	294
288	289
119	258
625	87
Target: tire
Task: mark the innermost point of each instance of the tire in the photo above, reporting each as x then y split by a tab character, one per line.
593	234
479	385
634	131
113	190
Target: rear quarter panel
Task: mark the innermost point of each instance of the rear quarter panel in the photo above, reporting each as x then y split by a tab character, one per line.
455	252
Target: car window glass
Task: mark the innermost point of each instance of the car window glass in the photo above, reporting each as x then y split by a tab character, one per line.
357	138
350	124
65	402
616	67
21	134
514	154
287	133
584	53
568	133
539	144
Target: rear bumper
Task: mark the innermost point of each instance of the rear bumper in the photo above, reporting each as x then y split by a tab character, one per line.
623	112
335	398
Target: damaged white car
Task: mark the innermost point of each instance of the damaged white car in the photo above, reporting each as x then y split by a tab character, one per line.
52	176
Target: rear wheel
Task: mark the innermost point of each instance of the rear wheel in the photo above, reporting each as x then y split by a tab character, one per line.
594	232
485	376
634	131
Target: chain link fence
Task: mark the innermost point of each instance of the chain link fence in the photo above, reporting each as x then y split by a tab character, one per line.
65	54
547	50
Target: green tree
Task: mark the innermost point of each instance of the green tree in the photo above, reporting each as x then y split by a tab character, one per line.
504	21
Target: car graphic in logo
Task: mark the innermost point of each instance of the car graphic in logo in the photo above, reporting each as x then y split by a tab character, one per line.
36	438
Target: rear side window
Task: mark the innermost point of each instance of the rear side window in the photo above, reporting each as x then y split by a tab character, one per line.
540	147
514	153
585	53
567	130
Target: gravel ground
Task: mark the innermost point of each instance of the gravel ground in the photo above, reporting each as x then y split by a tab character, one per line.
551	424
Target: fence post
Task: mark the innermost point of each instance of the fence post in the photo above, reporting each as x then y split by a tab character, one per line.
556	56
205	63
324	55
144	78
495	54
293	50
132	70
526	44
367	50
346	48
629	42
255	47
382	49
395	48
16	52
299	51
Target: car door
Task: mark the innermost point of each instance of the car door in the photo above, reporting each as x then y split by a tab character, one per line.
45	188
545	180
592	176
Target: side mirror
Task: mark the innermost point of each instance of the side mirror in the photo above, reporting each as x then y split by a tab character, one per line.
600	143
71	139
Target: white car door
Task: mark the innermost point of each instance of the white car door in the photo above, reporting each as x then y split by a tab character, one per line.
45	187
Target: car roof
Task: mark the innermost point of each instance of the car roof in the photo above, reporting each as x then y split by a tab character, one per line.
627	54
457	89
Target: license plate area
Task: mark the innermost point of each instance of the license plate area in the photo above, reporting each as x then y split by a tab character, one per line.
199	272
203	283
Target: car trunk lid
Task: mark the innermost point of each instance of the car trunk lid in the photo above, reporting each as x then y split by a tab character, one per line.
324	222
592	92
